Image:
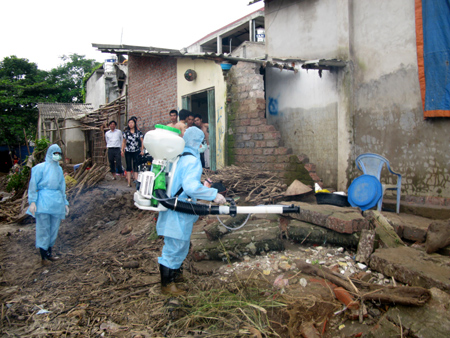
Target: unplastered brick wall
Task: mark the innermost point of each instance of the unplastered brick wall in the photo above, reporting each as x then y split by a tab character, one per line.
251	141
152	89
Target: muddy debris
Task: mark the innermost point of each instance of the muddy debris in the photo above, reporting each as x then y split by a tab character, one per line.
107	282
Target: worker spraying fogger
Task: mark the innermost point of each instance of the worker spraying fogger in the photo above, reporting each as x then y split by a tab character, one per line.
172	188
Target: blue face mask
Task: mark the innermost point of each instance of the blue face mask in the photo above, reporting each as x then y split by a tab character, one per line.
56	157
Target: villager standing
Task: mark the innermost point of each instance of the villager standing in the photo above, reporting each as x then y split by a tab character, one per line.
204	152
132	146
183	115
173	114
48	202
113	138
176	227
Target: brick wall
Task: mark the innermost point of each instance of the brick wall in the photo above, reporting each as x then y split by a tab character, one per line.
251	141
152	88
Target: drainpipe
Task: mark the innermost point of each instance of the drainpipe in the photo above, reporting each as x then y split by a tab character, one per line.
219	44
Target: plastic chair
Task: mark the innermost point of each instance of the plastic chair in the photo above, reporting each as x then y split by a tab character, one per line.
372	164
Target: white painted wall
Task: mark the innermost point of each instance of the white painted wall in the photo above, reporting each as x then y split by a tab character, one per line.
95	89
304	108
74	139
209	74
307	29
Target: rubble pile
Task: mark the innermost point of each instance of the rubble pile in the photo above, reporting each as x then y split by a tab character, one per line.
257	186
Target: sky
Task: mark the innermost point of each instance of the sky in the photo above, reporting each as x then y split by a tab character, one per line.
43	31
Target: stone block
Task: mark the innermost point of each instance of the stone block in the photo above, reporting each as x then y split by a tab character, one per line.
413	267
407	226
257	122
366	245
430	321
343	220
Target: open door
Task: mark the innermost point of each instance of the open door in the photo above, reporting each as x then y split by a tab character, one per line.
203	103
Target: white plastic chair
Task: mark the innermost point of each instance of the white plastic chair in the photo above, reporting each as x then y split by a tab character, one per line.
372	164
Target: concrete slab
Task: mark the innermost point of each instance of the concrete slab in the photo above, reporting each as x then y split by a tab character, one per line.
257	236
409	227
343	220
424	209
384	329
430	321
413	267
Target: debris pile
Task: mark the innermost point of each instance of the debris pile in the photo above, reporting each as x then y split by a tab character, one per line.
259	187
13	210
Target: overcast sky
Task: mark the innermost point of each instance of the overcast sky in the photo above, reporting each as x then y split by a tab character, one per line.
42	31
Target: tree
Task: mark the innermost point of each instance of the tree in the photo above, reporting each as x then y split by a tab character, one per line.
69	77
22	86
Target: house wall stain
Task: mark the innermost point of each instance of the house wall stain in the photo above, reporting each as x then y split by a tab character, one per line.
375	100
389	121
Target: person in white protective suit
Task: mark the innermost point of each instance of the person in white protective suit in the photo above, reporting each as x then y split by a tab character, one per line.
48	202
176	227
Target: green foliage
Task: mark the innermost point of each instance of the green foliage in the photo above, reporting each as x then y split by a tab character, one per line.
69	77
40	150
41	144
23	85
18	180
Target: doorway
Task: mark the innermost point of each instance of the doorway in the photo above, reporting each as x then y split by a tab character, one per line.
203	103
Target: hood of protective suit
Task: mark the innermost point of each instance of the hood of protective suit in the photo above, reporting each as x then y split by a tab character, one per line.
54	148
193	137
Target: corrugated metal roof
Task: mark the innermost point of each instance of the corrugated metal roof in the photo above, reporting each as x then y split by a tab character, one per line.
64	110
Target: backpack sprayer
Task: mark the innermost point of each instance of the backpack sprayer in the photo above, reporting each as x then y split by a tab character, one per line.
165	146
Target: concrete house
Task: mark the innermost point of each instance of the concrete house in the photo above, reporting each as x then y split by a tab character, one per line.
331	80
157	80
107	83
356	90
227	89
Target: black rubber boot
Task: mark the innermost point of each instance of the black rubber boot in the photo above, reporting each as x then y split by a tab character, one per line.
44	256
168	286
179	275
49	255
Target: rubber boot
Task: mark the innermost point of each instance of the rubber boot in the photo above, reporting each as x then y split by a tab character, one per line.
168	286
44	255
49	255
179	275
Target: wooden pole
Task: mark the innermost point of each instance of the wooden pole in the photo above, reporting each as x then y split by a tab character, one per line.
26	141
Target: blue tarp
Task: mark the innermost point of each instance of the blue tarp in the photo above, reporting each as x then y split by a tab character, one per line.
436	55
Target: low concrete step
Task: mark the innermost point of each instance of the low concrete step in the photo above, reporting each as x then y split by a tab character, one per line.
423	210
413	266
410	227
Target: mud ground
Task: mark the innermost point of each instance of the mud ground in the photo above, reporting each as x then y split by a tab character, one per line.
106	284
